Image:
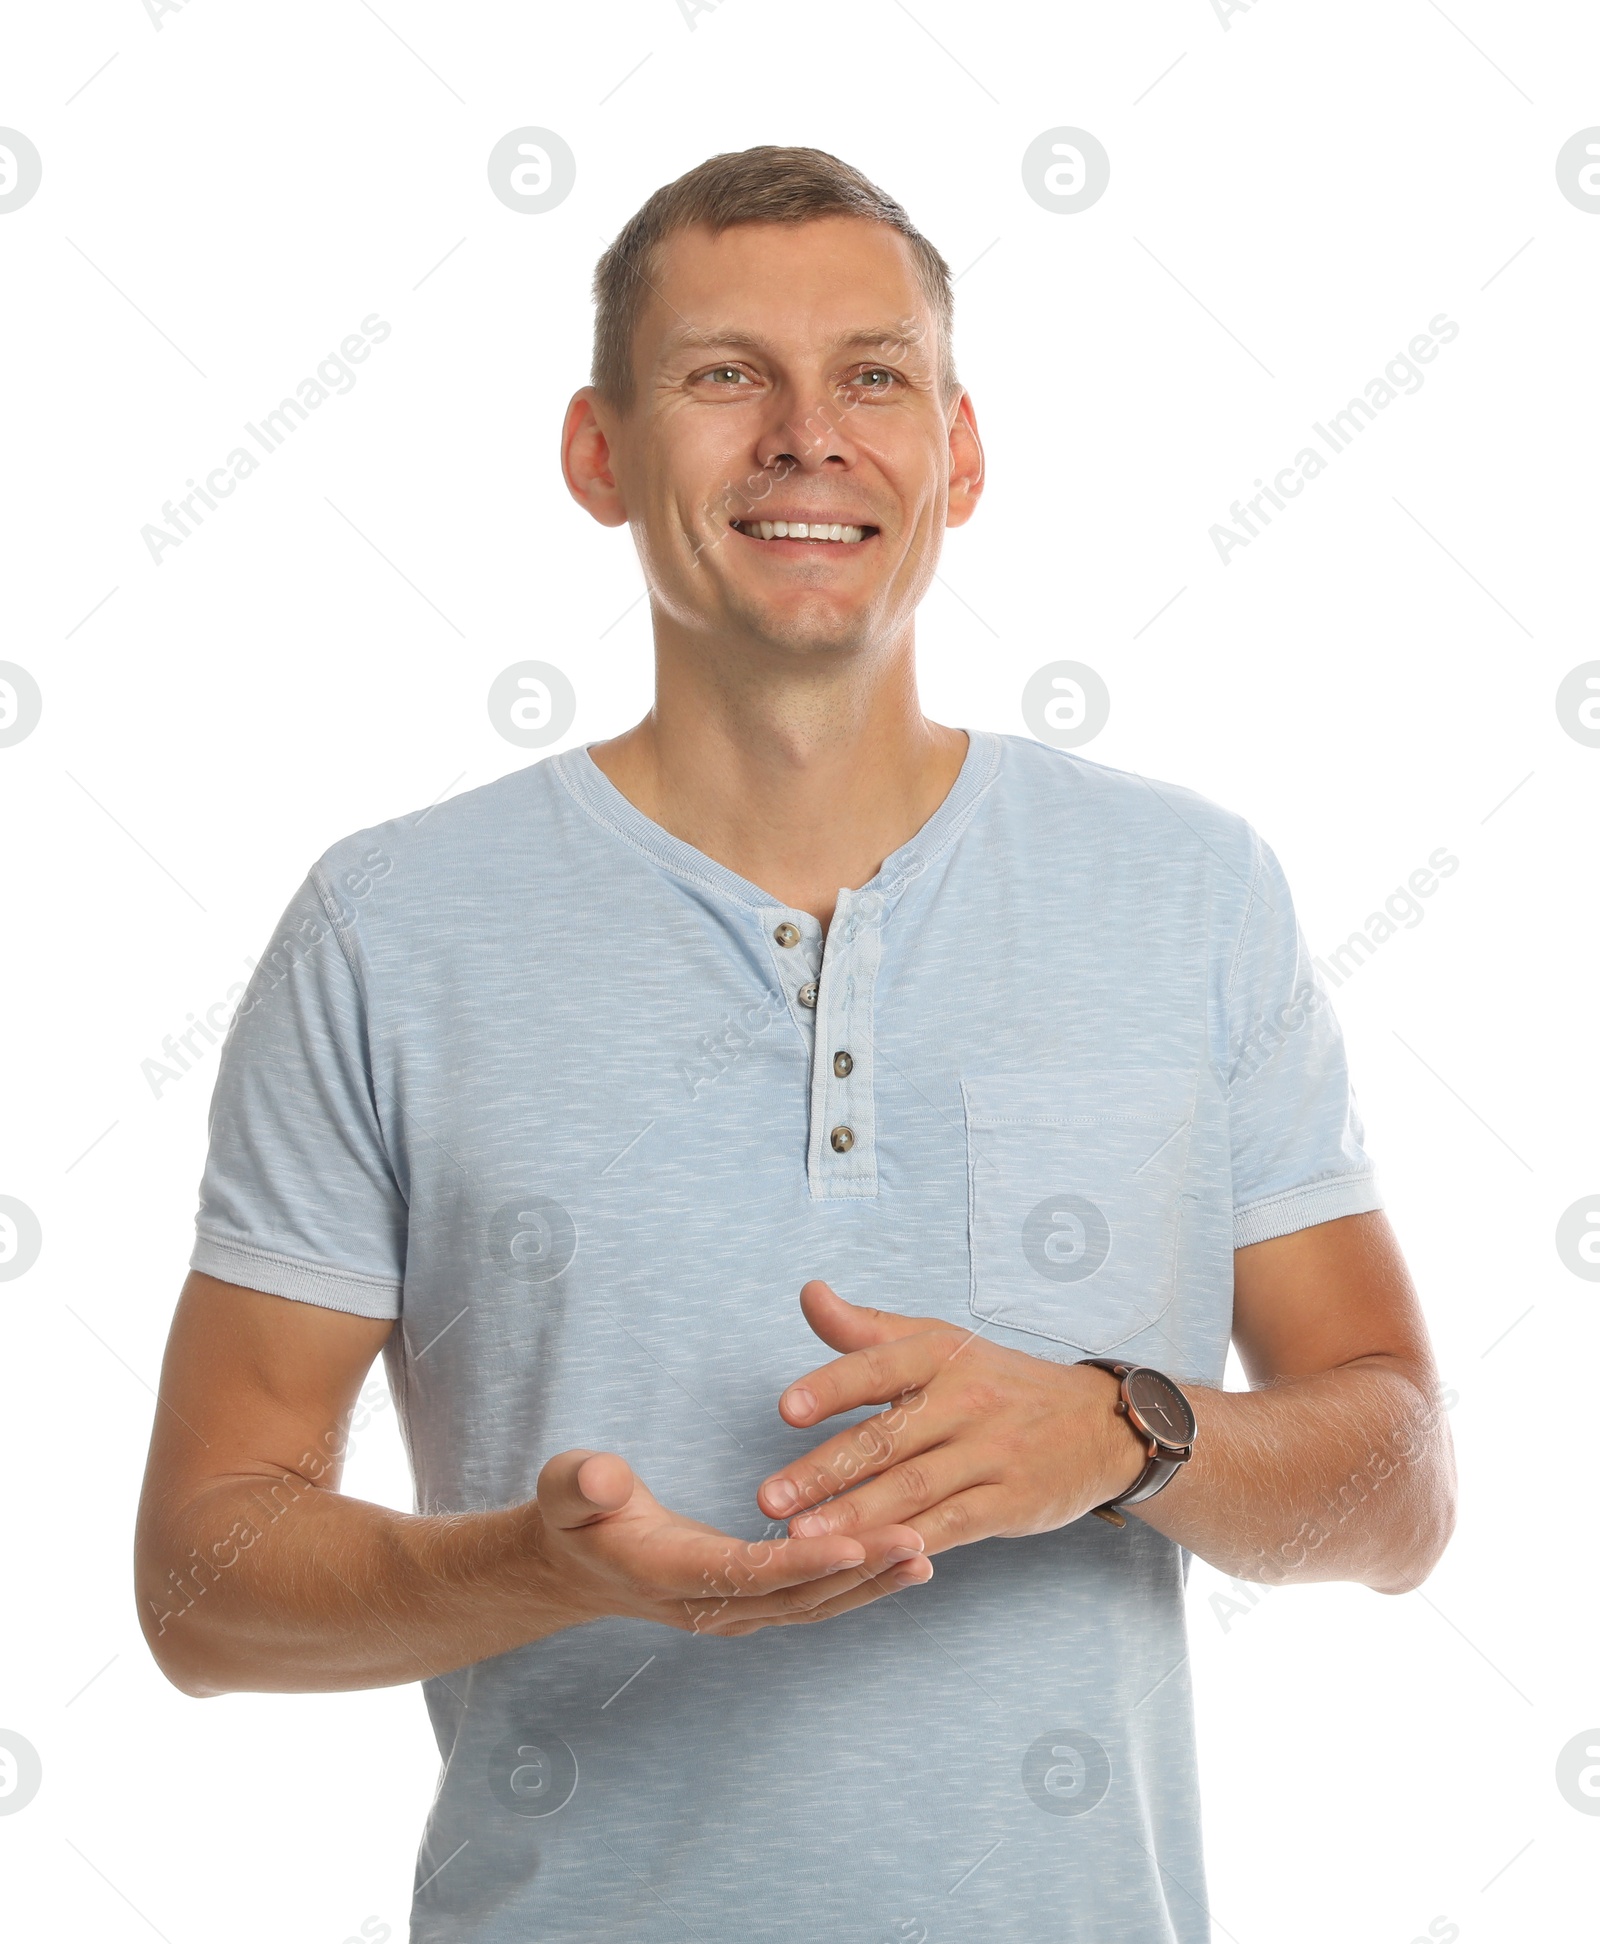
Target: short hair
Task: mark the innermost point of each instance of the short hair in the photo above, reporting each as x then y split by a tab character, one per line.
757	185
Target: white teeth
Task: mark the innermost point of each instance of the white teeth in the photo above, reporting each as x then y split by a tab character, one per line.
802	530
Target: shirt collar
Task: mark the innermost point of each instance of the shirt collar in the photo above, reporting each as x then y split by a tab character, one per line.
596	794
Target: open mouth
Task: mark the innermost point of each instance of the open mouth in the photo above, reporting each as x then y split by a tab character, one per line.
829	533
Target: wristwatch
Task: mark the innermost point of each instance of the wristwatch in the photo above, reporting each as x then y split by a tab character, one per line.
1160	1413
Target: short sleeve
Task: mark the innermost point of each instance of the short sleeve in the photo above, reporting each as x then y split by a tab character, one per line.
298	1197
1296	1135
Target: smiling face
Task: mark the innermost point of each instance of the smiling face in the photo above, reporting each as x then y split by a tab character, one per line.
790	460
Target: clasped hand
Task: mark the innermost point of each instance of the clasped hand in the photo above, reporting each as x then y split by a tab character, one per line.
976	1441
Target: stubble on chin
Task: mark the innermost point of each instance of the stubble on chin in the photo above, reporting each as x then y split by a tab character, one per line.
803	633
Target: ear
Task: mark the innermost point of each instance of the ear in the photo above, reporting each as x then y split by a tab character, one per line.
586	459
966	463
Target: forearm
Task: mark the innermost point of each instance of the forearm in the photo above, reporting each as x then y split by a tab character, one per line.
1345	1475
275	1584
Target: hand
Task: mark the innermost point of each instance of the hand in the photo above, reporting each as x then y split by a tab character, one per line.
604	1545
979	1441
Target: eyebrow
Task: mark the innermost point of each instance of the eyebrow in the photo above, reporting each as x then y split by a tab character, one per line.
731	338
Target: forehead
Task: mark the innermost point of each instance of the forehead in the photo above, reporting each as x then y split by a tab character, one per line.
789	287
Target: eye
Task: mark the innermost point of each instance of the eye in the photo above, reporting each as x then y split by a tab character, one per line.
876	378
725	375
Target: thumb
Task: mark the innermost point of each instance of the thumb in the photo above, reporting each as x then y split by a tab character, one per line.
578	1487
853	1326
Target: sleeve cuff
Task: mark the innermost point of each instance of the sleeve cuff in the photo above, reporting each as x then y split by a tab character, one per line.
302	1282
1298	1208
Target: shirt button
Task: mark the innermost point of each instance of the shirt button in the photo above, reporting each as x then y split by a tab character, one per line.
842	1063
842	1140
787	934
807	995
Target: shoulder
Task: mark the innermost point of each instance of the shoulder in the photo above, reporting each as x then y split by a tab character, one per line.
1165	825
426	864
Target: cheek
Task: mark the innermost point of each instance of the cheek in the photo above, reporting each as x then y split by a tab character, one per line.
918	484
670	525
710	467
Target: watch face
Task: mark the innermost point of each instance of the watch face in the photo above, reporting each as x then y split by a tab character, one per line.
1160	1408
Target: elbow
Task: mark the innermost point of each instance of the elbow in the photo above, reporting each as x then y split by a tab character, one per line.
1430	1530
187	1682
177	1663
173	1633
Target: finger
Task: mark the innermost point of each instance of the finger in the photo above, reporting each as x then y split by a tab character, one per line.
901	1495
980	1512
853	1326
822	1599
898	1579
867	1587
577	1487
871	1376
913	1423
715	1566
875	1552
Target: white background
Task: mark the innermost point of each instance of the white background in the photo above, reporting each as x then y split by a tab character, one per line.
1373	677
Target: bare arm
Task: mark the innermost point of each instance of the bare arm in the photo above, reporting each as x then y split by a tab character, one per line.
1337	1466
253	1571
1337	1463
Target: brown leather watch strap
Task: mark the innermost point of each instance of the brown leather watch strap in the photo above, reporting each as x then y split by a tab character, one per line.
1158	1469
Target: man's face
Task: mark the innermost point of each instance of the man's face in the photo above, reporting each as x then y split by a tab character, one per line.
789	372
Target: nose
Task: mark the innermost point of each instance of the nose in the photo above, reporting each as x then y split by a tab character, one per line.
807	437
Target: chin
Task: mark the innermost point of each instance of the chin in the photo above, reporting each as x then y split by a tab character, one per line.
807	629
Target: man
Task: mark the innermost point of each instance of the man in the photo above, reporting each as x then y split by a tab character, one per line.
558	1092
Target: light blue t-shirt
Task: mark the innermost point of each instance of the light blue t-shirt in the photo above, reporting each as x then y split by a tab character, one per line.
565	1097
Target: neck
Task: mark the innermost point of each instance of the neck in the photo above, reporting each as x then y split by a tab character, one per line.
801	778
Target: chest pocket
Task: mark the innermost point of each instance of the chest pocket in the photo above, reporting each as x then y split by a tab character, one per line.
1076	1186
